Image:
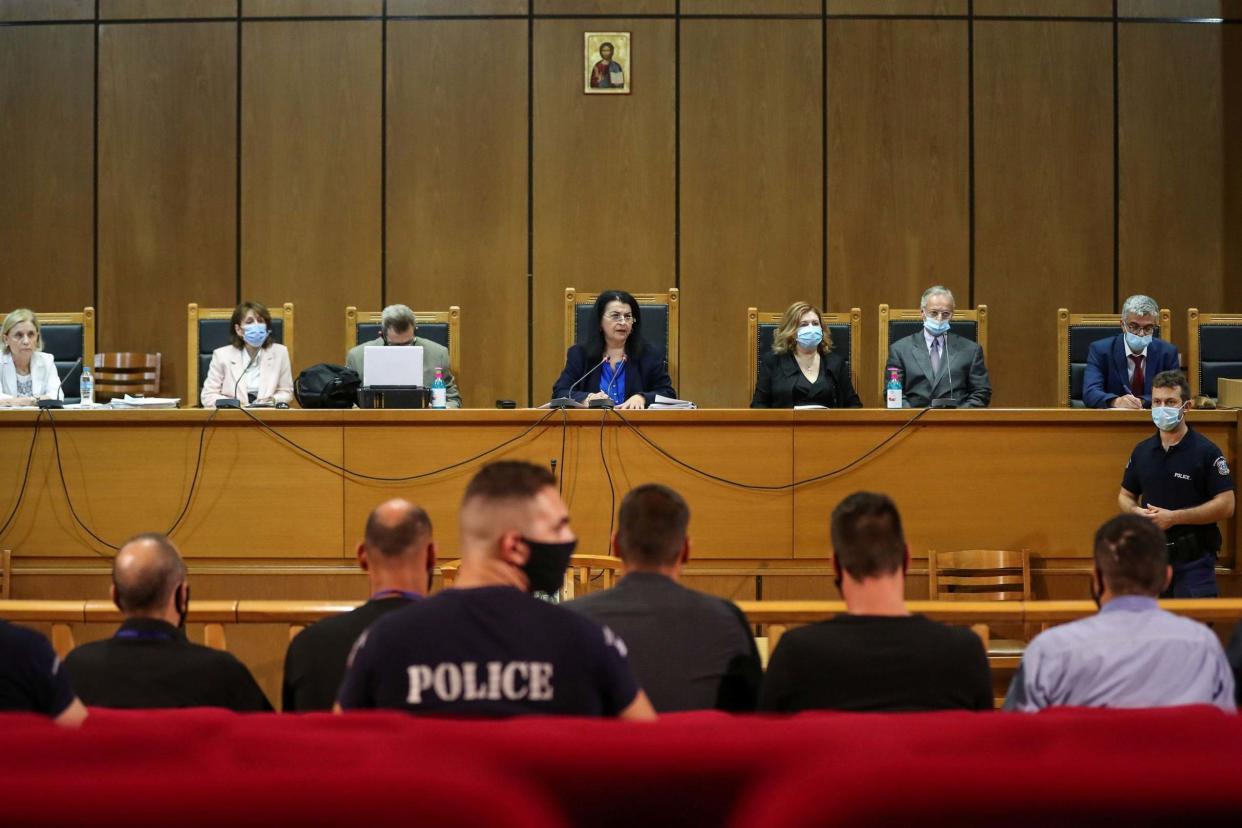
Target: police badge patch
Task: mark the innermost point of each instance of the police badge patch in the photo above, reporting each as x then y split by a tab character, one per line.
1222	468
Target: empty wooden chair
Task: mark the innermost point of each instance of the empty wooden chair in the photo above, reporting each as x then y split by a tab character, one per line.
118	374
984	575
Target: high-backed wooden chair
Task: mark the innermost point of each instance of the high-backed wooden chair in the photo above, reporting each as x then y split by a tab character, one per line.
896	323
983	575
577	576
210	328
844	328
1215	350
659	320
118	374
441	327
68	337
1075	334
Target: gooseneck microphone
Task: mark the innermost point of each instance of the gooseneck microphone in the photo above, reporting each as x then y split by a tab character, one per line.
55	402
568	401
225	402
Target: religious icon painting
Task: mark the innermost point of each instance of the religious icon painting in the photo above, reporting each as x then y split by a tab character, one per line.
607	63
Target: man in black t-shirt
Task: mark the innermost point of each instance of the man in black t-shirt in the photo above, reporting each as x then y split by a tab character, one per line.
149	663
32	679
486	647
397	553
876	657
690	650
1185	486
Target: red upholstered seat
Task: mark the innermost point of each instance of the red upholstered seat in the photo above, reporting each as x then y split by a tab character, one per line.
199	767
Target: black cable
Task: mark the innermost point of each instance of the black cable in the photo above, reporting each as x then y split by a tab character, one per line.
560	480
21	493
398	479
767	488
65	486
612	492
198	465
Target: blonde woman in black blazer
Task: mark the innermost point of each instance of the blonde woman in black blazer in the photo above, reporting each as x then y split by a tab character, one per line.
801	368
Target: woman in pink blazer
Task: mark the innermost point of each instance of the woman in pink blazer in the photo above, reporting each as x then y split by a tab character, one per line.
253	369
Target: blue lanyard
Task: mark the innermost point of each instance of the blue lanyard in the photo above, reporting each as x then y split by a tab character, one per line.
144	635
396	593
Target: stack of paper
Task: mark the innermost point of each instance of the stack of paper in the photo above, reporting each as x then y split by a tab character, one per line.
665	403
146	402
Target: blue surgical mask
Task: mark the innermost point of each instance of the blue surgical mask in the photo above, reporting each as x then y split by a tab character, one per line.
936	327
1166	419
1137	343
255	334
810	336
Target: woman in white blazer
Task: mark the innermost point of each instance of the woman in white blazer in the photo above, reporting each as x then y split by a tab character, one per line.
26	373
253	369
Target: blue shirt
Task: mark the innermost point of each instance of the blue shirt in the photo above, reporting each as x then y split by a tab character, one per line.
612	381
1129	654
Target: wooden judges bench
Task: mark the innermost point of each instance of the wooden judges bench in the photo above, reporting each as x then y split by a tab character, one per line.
268	520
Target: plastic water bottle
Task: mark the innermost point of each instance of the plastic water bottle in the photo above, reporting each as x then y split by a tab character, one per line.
439	393
86	386
892	390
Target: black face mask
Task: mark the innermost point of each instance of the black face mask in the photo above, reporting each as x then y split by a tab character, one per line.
183	608
1095	594
545	568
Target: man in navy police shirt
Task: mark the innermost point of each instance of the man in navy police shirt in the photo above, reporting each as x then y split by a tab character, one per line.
486	647
32	678
1185	487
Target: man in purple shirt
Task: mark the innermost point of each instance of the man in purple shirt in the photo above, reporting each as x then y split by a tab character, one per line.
1131	653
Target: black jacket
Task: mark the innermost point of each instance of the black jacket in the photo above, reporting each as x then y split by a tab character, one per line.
646	375
150	663
779	374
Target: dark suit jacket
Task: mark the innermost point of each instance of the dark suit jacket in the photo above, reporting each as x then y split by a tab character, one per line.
965	380
645	375
1108	370
689	650
779	373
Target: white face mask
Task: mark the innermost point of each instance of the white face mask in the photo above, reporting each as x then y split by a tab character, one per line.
1166	419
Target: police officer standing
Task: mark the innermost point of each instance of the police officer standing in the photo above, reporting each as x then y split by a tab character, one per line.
1185	487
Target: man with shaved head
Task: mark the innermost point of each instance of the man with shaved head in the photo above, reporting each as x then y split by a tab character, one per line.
149	662
397	553
487	647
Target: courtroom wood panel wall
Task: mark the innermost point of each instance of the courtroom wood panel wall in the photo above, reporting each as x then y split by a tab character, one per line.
311	160
898	169
1044	191
46	76
604	178
752	220
167	183
1180	177
712	173
456	185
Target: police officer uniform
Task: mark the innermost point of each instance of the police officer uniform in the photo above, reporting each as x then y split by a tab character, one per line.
1188	474
150	663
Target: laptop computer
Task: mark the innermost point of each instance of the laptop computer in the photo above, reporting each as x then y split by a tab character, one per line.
392	366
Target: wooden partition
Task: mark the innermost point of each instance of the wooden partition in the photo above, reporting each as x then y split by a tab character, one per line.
1029	154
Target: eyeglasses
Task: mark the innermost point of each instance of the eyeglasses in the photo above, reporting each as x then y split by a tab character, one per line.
619	317
1140	330
944	315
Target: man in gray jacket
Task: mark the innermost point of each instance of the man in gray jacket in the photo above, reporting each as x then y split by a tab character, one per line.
935	365
398	328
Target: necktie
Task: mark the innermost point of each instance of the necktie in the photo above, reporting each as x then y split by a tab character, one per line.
935	356
1138	384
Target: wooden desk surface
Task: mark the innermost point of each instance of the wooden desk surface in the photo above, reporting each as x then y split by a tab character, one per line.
1041	479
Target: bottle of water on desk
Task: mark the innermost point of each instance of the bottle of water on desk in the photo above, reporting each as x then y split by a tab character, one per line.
439	393
892	390
86	387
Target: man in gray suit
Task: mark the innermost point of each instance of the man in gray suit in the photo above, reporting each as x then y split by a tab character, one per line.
399	329
937	365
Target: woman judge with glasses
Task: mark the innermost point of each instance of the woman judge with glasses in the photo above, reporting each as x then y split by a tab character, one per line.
612	363
801	368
